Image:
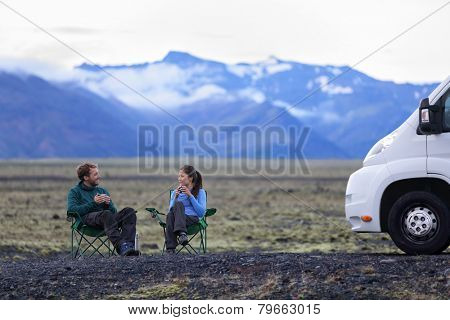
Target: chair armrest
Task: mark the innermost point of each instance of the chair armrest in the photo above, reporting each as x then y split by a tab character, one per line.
157	215
210	212
154	212
73	214
75	219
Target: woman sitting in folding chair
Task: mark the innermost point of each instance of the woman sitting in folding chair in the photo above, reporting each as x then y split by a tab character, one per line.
187	206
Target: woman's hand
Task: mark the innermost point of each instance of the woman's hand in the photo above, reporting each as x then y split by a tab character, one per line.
178	191
186	190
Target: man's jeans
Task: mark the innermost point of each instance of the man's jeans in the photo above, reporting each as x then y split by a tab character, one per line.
119	227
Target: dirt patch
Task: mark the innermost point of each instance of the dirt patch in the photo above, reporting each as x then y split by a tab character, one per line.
229	276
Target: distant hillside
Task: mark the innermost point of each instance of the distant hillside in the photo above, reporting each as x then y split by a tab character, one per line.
352	112
95	115
40	119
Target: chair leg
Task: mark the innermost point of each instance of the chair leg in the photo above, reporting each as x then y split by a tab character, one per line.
189	246
78	242
108	245
103	243
98	247
112	252
164	245
81	252
201	247
178	251
73	239
205	242
190	249
71	244
91	245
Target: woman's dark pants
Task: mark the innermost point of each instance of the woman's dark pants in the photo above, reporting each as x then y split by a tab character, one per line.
177	222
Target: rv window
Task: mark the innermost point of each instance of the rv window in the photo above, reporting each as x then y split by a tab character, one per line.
446	103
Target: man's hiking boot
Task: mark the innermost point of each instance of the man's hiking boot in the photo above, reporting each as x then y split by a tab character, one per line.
134	252
126	249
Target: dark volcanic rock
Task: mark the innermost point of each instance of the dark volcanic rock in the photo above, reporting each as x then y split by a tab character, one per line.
229	276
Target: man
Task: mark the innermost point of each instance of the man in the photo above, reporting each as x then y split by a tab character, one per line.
97	210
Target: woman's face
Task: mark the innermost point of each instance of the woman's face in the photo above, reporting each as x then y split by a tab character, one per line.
183	178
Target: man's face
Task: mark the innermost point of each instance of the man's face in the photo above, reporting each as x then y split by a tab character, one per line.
94	177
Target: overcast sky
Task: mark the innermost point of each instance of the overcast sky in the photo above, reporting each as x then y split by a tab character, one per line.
316	32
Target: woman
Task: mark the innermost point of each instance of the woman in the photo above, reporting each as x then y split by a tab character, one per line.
187	206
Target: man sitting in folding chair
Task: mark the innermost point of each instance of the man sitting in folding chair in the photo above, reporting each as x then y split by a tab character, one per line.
92	206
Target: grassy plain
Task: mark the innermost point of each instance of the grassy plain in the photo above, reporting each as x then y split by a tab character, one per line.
256	212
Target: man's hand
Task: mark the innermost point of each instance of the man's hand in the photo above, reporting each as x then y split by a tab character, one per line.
98	199
102	198
107	198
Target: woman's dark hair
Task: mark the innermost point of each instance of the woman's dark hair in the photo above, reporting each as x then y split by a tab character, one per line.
197	180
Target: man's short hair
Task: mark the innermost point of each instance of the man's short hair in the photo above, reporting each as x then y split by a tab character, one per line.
84	168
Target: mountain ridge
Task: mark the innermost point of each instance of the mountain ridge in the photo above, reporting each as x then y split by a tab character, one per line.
347	112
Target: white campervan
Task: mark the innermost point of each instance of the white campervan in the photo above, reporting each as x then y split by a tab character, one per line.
403	187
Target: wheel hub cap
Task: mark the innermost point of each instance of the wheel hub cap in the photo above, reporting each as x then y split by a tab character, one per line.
420	221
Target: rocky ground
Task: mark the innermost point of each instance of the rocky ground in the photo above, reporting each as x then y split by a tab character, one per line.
228	276
257	218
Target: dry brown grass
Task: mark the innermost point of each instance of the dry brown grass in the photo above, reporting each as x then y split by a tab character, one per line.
292	213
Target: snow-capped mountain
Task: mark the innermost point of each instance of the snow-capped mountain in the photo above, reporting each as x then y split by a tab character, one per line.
347	110
345	106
